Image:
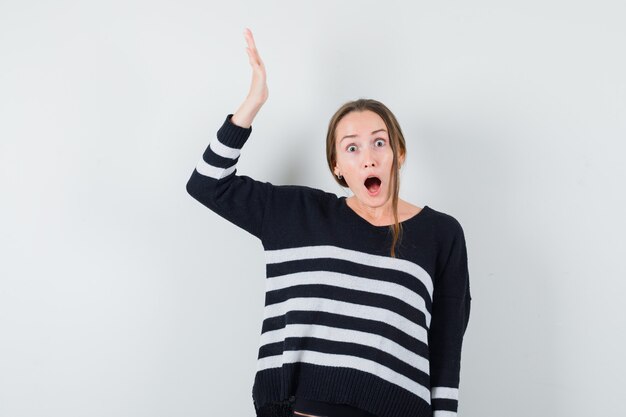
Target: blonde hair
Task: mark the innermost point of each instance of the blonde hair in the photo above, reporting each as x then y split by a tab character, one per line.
398	146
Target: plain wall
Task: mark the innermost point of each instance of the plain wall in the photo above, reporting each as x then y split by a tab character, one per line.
120	295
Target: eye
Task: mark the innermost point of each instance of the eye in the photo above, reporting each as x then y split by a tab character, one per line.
348	148
381	140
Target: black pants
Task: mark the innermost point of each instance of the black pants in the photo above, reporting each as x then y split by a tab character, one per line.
324	409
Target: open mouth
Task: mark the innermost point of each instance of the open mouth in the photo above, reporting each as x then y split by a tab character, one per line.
373	185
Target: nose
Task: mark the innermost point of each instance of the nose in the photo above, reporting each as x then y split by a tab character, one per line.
368	158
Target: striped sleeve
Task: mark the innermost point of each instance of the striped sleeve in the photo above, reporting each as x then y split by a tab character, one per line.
214	182
451	310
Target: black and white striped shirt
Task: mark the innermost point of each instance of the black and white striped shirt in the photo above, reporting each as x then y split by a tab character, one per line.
344	322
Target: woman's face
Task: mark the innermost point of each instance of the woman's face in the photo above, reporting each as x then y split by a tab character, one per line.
363	149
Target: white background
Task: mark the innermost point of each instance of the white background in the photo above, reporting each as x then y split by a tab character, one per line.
120	295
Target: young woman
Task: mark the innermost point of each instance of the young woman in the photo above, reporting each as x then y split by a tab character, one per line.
367	297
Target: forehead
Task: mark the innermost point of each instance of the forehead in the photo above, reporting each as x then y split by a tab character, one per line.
361	123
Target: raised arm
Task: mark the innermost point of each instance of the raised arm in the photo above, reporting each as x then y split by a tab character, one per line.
214	183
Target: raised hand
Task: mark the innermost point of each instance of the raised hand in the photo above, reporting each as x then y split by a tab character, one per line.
258	90
258	93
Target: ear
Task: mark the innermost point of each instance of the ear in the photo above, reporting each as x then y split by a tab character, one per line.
336	170
401	160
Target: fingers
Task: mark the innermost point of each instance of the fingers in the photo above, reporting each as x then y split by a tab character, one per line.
253	53
249	39
254	58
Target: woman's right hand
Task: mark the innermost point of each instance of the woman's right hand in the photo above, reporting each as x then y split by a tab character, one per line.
258	90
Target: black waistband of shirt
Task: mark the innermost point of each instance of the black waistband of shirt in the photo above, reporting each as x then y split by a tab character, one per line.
326	409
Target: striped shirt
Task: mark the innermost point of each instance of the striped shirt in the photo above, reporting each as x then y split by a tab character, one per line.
343	321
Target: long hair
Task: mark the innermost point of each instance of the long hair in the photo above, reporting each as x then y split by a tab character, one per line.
398	146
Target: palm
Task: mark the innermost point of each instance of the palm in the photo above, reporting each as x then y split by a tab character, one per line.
258	90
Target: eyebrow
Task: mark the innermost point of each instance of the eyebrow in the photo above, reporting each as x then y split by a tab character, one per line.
354	136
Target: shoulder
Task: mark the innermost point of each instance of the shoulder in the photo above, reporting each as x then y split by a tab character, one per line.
299	196
290	190
445	224
450	240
